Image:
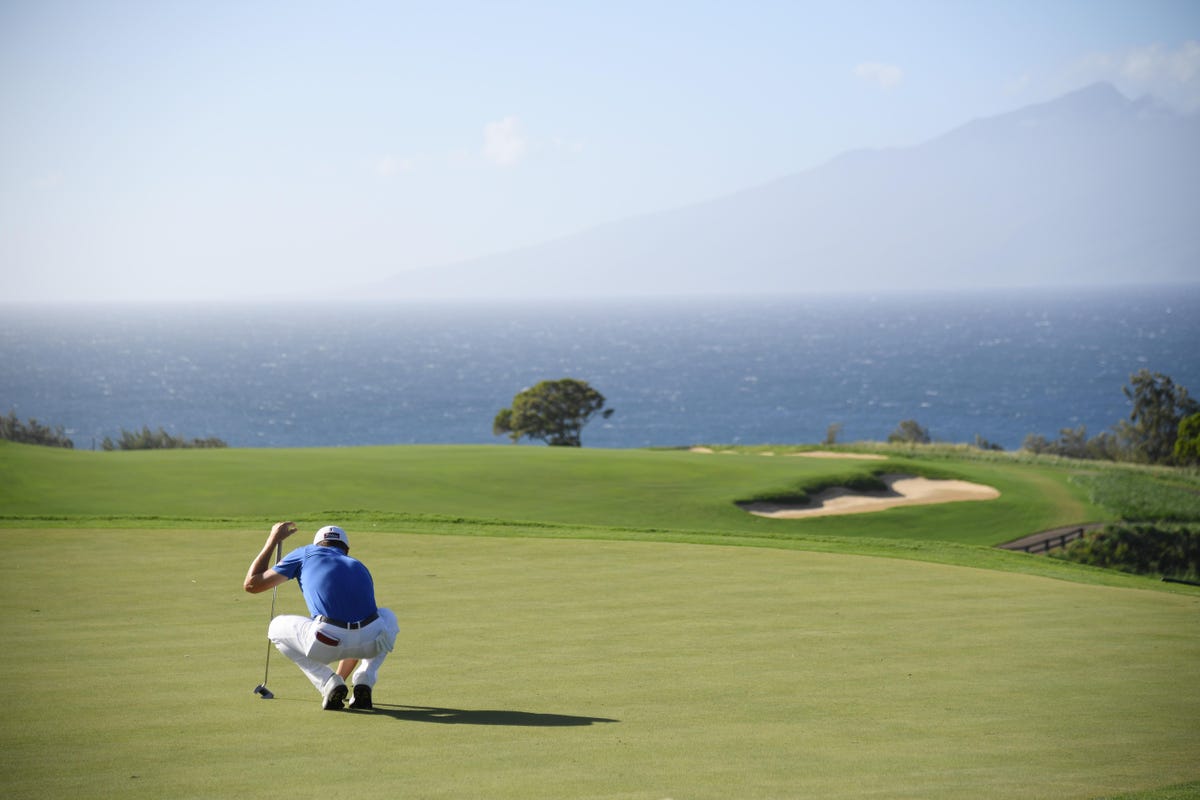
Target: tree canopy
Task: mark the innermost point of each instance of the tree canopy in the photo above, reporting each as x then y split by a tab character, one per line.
552	411
1187	446
910	432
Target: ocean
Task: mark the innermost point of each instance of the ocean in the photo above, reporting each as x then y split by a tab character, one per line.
769	370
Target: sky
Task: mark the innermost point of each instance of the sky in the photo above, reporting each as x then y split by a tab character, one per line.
173	151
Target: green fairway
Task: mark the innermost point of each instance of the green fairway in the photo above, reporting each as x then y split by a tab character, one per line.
552	668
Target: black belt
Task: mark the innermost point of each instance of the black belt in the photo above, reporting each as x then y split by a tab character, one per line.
350	626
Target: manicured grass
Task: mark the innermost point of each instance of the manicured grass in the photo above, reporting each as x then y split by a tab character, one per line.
644	489
570	668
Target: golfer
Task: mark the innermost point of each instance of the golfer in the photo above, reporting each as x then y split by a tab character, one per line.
345	623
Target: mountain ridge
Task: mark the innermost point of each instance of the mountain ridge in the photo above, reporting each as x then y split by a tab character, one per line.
1089	188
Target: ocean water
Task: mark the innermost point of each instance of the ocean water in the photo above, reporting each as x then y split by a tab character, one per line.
999	365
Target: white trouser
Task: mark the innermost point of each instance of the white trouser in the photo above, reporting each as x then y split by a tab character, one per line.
314	646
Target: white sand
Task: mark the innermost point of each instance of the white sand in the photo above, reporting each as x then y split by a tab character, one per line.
699	449
903	490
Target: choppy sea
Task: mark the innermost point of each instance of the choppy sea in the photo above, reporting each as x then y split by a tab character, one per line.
998	365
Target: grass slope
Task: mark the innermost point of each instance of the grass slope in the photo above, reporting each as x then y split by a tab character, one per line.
660	490
534	668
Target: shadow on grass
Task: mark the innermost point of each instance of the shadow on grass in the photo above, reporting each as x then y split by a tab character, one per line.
458	716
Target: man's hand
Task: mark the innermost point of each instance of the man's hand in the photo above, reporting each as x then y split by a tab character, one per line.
281	531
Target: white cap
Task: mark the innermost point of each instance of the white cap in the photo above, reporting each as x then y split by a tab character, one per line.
332	533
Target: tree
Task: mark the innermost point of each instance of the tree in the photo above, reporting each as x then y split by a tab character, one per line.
909	432
1158	408
983	444
832	432
1187	442
553	411
1035	443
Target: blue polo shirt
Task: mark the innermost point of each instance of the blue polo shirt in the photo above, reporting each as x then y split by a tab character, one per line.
333	584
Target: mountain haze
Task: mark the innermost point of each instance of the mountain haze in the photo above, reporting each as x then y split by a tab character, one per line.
1091	189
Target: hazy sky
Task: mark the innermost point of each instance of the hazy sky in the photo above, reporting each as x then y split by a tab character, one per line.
210	149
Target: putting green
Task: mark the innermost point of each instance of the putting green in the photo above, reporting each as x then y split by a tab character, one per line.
539	668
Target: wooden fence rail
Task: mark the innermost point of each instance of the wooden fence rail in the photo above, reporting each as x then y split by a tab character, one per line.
1058	540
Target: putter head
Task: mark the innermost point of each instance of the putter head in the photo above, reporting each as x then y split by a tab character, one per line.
264	692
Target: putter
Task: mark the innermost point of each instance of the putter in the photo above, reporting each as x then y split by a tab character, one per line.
261	690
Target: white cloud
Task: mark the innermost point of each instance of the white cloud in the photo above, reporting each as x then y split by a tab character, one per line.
1170	74
503	142
1157	63
48	182
388	165
571	146
885	76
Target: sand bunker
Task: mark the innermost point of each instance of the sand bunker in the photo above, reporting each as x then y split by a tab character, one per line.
903	490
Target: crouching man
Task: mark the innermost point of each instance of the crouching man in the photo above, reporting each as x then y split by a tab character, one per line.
346	623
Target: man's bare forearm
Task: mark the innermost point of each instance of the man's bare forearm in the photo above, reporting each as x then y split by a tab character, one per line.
255	581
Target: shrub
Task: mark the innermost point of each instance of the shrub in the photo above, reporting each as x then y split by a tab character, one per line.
1074	443
146	439
1171	551
32	432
